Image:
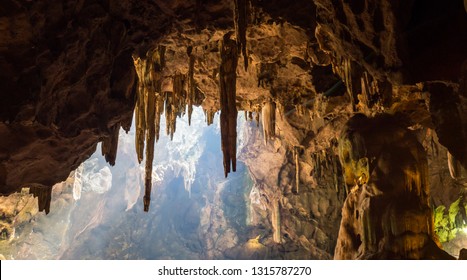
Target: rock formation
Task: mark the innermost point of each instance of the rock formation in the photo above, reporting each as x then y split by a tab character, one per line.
268	117
44	195
387	213
227	97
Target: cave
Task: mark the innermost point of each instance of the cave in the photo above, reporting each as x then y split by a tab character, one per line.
309	129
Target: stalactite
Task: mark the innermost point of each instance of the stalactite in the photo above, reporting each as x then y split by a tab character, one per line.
175	103
170	114
147	111
241	24
276	221
280	109
296	153
370	94
158	114
109	145
347	74
366	90
318	165
209	114
179	92
191	84
44	195
300	109
323	163
456	170
326	159
228	118
268	117
334	172
140	113
257	118
150	141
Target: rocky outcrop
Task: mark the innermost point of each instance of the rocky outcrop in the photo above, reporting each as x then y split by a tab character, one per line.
387	213
391	41
66	83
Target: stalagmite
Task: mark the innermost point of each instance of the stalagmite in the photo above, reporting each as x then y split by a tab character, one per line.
268	116
110	145
241	23
44	195
228	118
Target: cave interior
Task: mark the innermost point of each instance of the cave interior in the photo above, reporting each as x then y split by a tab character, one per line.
361	109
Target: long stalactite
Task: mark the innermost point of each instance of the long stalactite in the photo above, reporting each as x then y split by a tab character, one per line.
296	155
241	23
191	83
110	145
140	113
268	117
228	118
148	111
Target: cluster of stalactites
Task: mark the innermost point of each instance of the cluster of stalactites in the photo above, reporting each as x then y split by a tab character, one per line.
157	95
241	23
148	110
369	95
175	103
268	117
256	109
326	160
228	117
363	89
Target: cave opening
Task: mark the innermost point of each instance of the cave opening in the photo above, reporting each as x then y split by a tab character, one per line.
245	129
